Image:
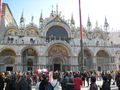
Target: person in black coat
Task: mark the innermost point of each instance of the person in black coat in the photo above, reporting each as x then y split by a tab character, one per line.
43	83
12	83
29	81
1	82
22	84
106	85
117	79
93	85
8	82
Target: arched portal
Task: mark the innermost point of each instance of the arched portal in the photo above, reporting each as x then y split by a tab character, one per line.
57	62
29	59
7	60
102	58
58	58
88	62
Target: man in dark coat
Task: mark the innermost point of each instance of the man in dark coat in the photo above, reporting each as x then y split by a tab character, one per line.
8	82
1	82
22	83
28	79
117	79
106	85
93	85
45	85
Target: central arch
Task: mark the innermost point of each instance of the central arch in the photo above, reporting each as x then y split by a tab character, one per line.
58	58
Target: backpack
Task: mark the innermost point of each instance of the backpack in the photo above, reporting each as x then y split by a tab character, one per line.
49	87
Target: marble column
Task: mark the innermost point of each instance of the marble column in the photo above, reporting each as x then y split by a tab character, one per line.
94	63
18	63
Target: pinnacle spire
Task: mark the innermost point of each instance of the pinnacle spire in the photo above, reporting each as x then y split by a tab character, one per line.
41	17
22	18
32	19
57	9
106	23
89	22
96	24
72	20
52	12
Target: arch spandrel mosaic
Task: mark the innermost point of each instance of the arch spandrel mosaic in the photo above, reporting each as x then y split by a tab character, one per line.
7	52
58	49
31	32
7	56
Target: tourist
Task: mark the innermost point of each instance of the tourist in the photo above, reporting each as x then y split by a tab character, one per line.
29	81
87	77
83	77
1	81
93	85
77	82
117	79
67	82
39	81
109	77
106	85
45	85
55	83
21	82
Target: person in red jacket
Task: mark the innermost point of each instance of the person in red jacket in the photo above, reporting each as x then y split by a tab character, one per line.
77	82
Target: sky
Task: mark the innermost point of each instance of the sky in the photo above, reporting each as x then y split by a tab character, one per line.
97	10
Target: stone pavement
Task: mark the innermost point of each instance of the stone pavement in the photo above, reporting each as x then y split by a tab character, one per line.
113	87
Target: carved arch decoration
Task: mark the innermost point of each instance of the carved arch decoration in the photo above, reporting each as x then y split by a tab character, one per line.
7	56
12	32
57	49
103	60
31	32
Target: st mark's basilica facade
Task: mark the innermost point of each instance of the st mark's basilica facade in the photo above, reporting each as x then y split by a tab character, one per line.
55	44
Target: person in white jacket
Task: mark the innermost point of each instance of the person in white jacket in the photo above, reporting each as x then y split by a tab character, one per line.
38	83
55	83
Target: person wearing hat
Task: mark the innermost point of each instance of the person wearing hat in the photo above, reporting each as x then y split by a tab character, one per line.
43	83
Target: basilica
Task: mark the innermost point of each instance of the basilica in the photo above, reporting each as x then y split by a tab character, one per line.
55	44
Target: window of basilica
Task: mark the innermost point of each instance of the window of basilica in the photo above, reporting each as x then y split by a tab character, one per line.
57	33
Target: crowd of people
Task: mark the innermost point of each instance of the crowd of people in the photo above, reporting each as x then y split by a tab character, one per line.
58	80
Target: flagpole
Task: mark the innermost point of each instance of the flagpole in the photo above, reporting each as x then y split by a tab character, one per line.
81	41
0	11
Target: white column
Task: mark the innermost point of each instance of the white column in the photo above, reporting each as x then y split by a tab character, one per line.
94	63
19	66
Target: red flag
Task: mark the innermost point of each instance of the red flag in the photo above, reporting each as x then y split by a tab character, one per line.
81	29
0	8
